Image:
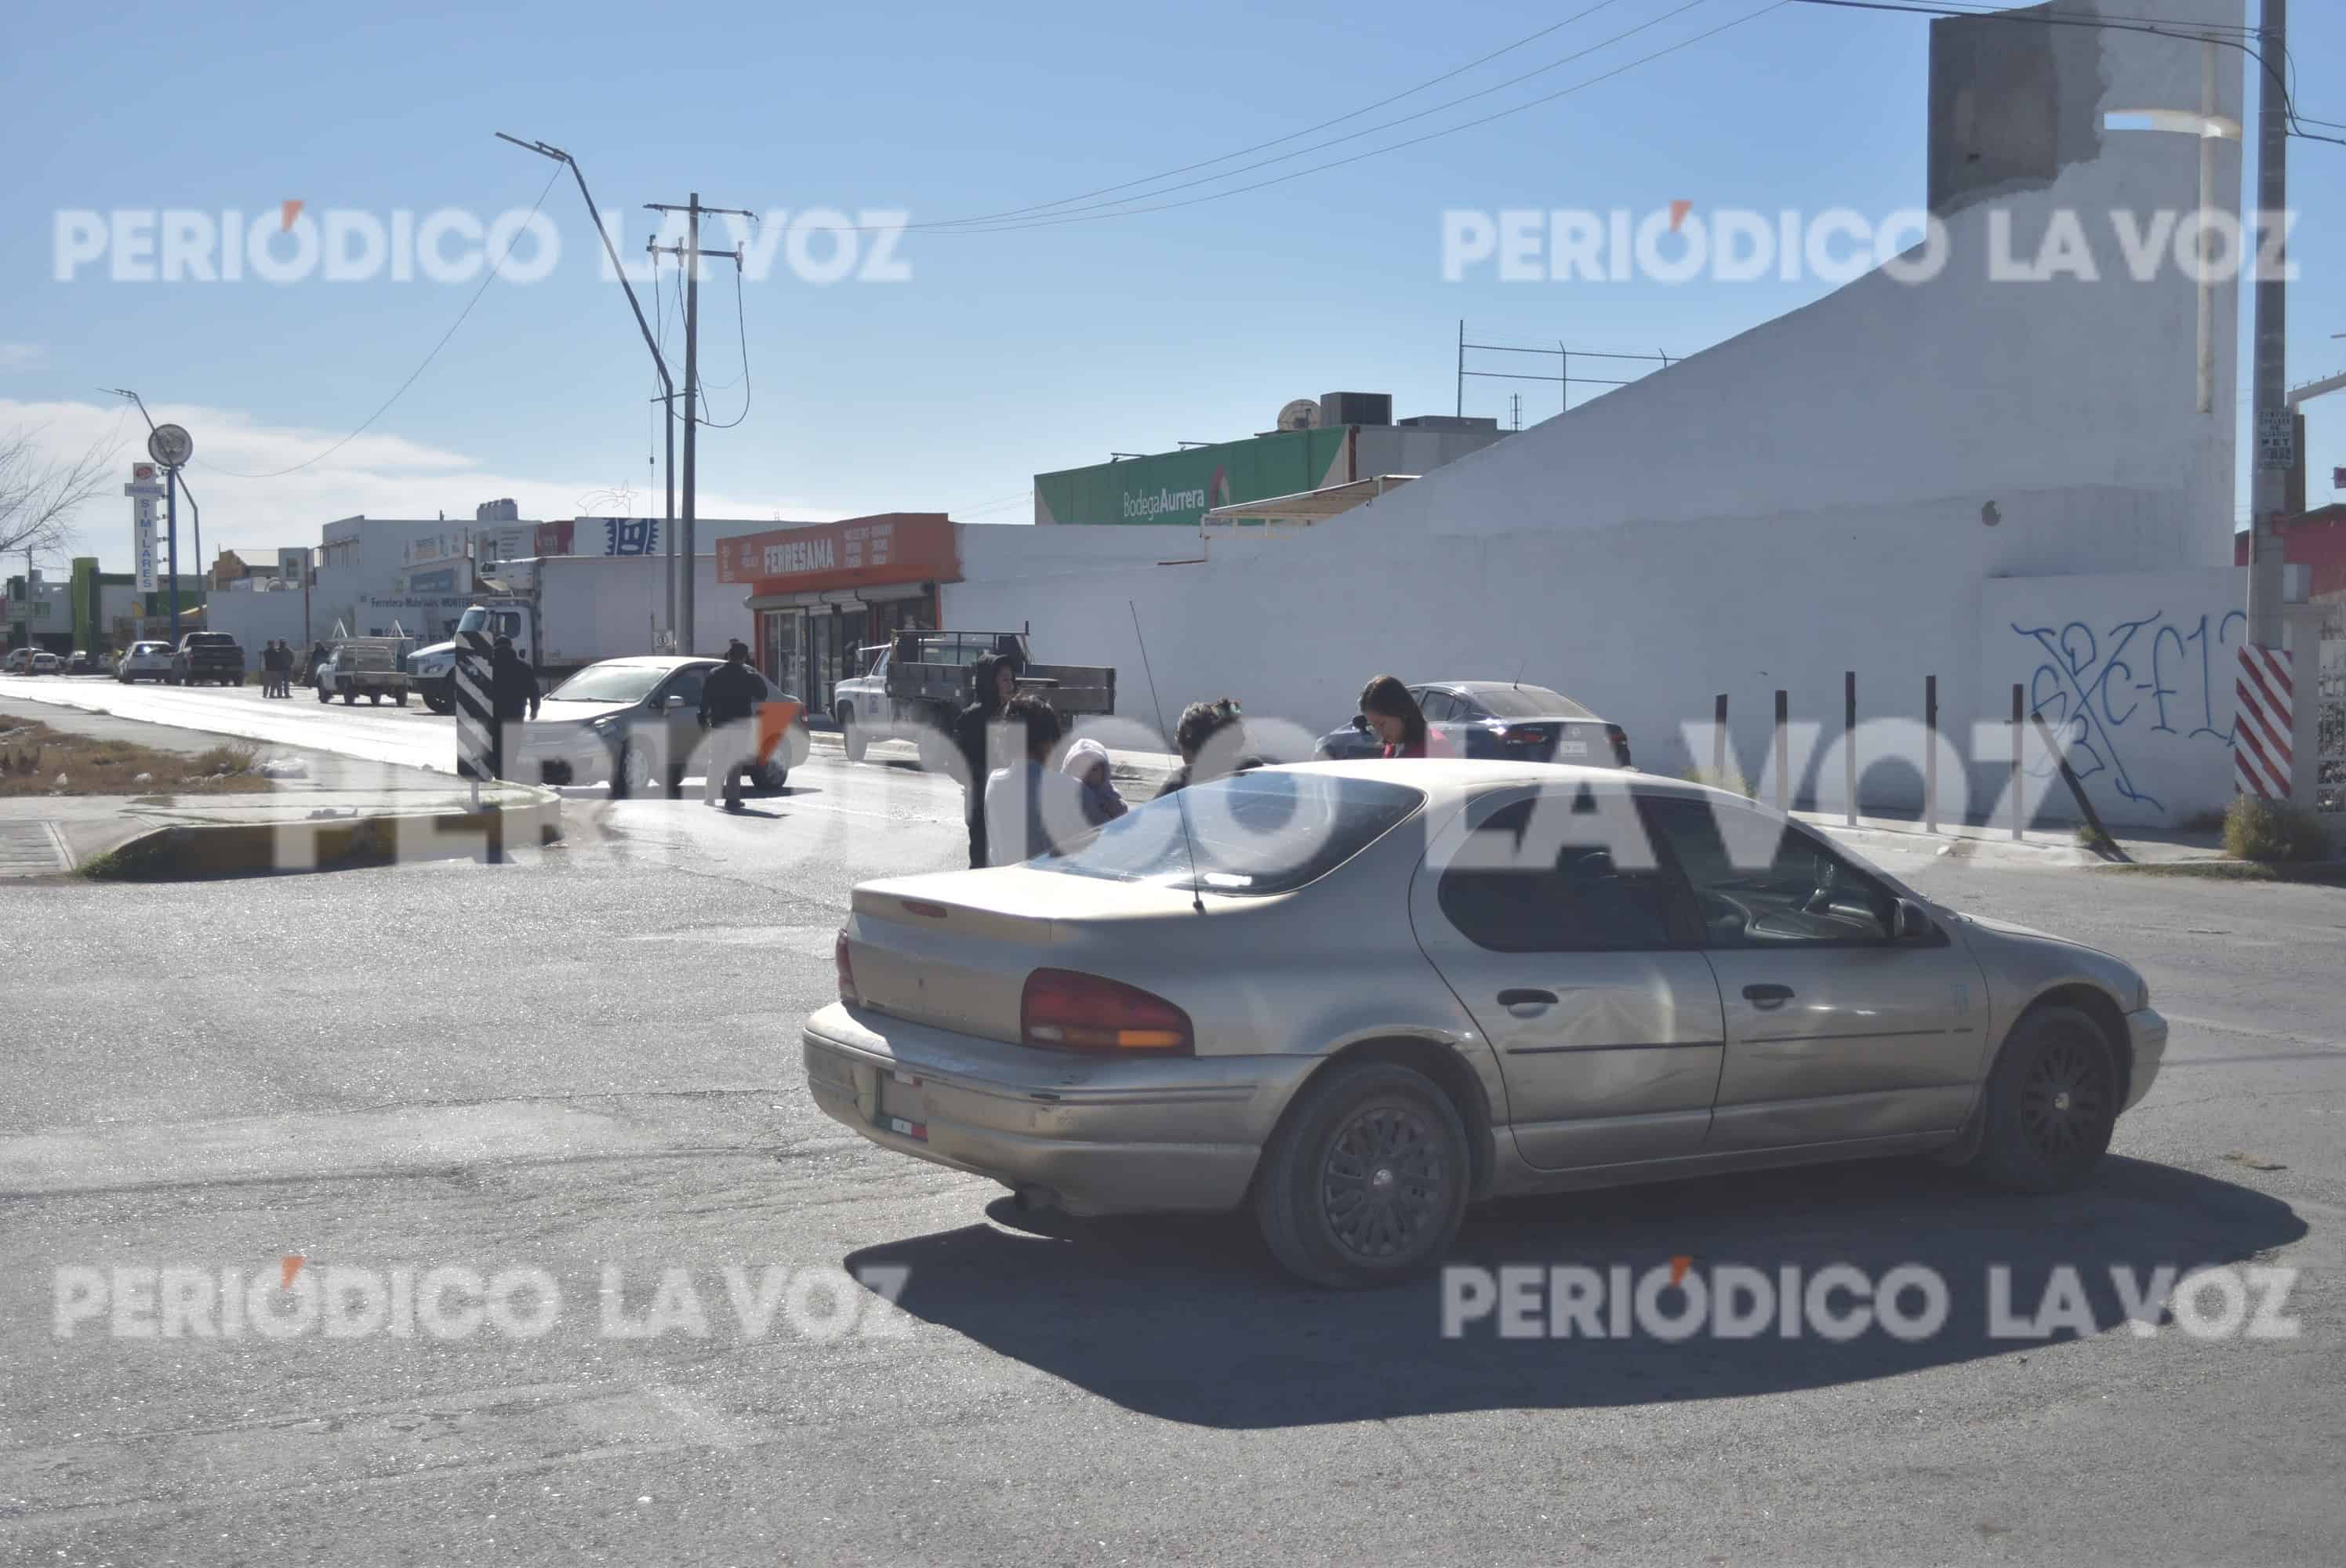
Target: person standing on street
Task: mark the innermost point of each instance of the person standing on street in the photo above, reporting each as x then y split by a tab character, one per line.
1026	801
998	683
513	693
729	711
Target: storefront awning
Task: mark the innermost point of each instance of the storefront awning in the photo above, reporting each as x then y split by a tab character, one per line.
1309	507
812	598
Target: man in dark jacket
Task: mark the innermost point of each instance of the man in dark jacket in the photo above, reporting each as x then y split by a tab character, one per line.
513	692
729	711
998	683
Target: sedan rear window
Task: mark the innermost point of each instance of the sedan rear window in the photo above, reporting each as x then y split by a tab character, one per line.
1253	834
1528	702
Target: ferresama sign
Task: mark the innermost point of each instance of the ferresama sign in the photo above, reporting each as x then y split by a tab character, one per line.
887	547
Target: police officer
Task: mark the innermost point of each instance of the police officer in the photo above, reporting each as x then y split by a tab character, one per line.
729	705
998	683
513	693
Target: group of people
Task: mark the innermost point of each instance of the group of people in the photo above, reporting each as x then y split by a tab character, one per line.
278	662
1010	808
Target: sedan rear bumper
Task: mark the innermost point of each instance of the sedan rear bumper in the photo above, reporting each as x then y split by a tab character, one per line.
1104	1137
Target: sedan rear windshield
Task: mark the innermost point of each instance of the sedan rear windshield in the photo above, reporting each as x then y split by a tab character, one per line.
1527	702
1251	834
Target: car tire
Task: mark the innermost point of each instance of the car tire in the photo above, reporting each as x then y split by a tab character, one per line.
631	771
325	696
438	700
2050	1104
375	698
1365	1183
850	736
399	698
771	777
350	698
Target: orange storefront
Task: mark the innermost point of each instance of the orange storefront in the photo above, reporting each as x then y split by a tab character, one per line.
820	592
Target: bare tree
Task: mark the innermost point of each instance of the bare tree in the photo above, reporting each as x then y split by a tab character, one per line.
39	494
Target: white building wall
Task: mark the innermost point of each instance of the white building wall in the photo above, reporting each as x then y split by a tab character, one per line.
1839	489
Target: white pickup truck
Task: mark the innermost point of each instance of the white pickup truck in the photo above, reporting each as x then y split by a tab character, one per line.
913	688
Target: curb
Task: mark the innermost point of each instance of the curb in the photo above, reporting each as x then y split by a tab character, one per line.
191	850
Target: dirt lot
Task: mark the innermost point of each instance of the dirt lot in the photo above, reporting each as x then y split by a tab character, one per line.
35	759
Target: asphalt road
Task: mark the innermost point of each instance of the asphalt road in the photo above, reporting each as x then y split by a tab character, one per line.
586	1064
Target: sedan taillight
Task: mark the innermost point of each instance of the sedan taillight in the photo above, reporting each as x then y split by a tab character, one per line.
1061	1010
847	991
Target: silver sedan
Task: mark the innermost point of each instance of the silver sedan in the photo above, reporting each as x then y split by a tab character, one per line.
1356	997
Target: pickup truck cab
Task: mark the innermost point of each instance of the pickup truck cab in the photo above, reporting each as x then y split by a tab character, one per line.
915	687
203	657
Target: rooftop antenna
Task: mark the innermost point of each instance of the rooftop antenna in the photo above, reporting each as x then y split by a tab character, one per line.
1197	896
1520	663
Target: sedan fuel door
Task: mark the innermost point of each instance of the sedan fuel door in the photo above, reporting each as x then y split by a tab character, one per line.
1580	963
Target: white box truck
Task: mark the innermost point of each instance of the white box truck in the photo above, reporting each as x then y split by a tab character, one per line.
566	612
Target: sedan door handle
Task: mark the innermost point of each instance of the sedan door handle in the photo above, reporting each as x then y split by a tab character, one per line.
1526	998
1768	995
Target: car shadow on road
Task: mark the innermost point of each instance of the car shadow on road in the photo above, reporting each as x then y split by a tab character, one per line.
1185	1318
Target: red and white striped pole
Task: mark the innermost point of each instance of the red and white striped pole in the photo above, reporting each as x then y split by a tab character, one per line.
2262	718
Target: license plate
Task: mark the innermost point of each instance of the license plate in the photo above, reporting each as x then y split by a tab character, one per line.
1572	749
900	1110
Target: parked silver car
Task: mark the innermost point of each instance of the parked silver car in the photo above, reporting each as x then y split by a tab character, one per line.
1357	996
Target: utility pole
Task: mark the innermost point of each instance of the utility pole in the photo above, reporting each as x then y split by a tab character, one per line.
2274	432
689	254
667	385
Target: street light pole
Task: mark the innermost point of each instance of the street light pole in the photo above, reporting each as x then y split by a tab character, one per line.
176	485
667	384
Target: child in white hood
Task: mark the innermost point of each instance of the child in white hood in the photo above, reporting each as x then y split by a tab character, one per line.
1087	764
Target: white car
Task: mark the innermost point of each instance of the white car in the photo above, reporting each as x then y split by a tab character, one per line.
47	664
144	661
1355	997
19	662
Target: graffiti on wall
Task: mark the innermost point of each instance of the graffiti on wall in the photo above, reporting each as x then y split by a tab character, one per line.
2105	694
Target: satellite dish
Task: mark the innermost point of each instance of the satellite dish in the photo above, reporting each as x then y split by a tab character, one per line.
1303	413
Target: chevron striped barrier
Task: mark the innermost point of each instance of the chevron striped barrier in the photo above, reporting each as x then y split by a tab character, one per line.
2262	718
476	711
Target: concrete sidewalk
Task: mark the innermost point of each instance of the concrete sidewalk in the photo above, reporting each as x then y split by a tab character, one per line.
2051	847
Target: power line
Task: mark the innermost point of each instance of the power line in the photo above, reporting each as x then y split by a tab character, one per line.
494	269
742	326
984	225
1275	141
1395	147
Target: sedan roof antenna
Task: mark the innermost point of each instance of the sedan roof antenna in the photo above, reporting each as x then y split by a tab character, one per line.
1180	797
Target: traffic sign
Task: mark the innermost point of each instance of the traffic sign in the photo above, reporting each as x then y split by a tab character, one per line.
2277	439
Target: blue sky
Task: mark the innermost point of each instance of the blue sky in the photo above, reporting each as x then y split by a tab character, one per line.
1008	352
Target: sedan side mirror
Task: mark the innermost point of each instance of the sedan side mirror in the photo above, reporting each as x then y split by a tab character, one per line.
1908	923
677	701
1360	722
